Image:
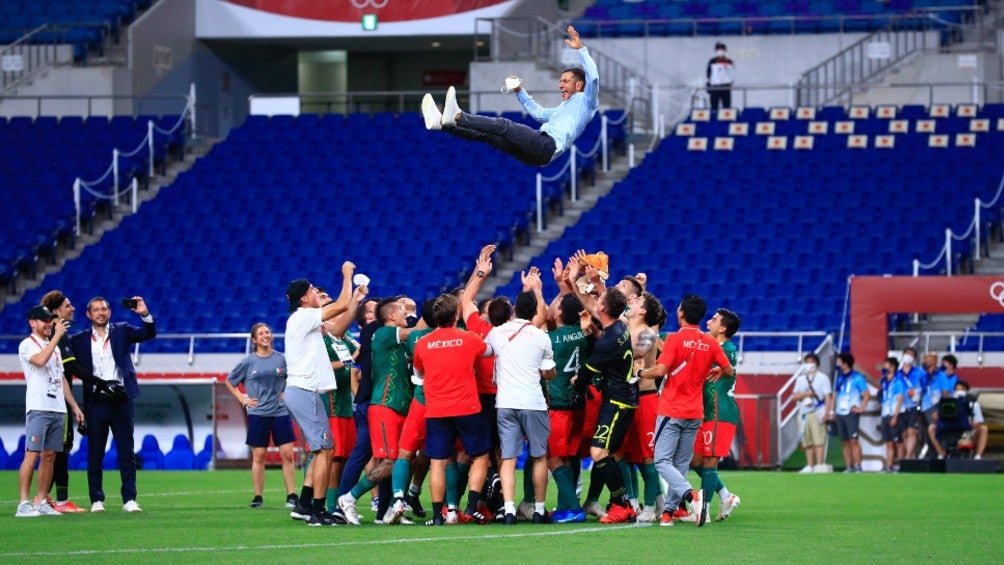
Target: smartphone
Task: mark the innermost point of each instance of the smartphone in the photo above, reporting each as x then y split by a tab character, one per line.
129	303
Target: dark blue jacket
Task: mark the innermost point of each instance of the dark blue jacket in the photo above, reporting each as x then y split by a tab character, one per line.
121	336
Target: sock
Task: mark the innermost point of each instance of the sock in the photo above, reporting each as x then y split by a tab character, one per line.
606	471
510	507
633	472
399	478
699	471
723	492
362	487
452	479
306	496
708	482
576	469
624	469
332	499
463	470
567	500
415	490
385	498
437	510
473	499
595	486
528	495
652	486
538	508
317	505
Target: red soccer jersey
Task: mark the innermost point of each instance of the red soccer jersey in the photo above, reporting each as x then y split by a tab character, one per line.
445	357
689	355
484	369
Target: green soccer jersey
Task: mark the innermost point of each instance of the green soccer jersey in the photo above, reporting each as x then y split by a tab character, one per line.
338	403
570	349
409	345
719	396
391	381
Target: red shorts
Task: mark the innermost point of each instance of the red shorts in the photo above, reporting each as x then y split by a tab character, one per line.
413	433
589	423
566	432
640	442
385	431
714	439
343	431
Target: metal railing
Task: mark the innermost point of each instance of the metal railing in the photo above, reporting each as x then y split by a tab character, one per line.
859	63
86	105
36	50
922	340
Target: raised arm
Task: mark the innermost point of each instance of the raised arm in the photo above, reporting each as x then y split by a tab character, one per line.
592	89
482	268
344	296
532	282
340	324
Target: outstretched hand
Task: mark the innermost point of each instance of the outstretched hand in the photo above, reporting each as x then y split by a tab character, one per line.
574	42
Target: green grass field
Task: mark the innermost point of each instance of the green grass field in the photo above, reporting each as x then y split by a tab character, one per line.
784	517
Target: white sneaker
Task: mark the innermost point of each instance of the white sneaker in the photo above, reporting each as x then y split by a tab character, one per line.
699	507
131	506
450	108
98	506
396	512
647	515
525	509
348	507
822	468
727	507
26	510
595	509
46	509
451	517
433	117
806	470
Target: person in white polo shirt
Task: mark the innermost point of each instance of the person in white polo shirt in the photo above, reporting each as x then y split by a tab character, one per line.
48	394
309	374
523	356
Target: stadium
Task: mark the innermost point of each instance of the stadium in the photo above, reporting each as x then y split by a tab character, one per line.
201	154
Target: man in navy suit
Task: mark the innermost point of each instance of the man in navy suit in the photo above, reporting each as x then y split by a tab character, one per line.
103	349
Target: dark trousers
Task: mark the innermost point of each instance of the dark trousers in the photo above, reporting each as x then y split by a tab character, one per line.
529	146
104	415
721	96
362	451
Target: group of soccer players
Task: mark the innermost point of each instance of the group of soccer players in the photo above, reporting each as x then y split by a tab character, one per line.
589	374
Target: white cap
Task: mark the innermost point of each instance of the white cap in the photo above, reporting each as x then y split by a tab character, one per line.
360	279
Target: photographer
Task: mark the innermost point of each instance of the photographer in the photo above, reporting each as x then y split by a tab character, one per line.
103	351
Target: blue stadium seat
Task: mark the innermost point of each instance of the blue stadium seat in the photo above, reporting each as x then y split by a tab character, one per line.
149	453
180	457
205	457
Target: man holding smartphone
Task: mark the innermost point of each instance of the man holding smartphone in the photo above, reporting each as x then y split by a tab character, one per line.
103	351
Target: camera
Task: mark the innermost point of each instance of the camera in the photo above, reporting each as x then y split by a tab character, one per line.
129	303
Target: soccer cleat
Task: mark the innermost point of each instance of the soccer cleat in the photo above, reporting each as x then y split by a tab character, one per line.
509	519
66	507
338	517
322	518
26	510
539	518
647	515
618	514
435	521
375	504
395	513
300	513
46	509
131	506
667	519
524	510
594	508
415	504
683	515
476	517
726	507
97	506
256	502
292	500
699	507
568	516
450	108
806	470
348	507
433	117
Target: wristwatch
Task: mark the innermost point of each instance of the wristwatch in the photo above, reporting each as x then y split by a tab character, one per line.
481	274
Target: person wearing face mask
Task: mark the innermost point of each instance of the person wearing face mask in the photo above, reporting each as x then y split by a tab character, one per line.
893	391
721	75
930	396
845	407
943	385
916	379
812	392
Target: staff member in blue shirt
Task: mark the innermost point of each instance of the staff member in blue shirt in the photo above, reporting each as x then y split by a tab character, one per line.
845	407
580	95
916	380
